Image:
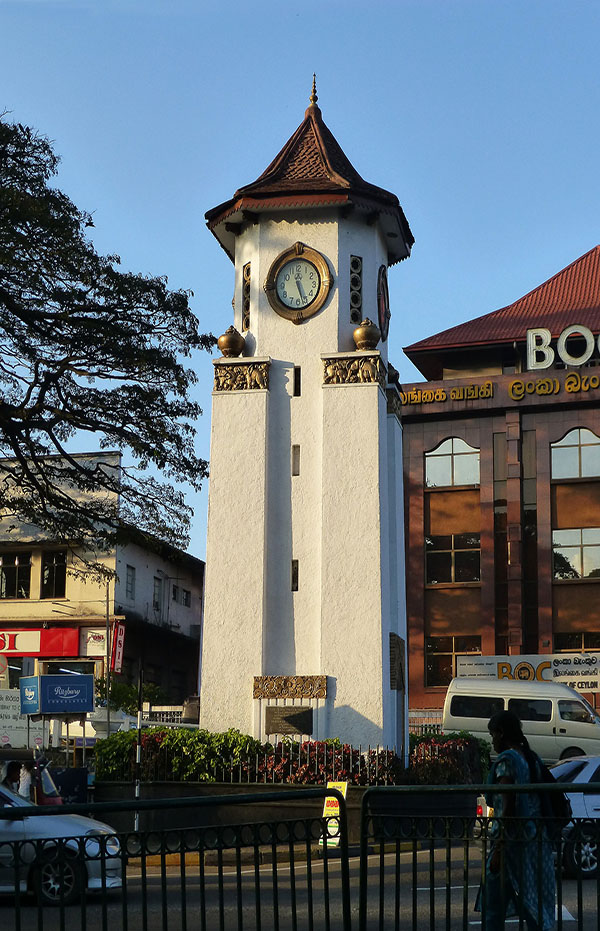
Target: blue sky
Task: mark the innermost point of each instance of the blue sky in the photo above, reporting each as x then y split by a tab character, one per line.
481	116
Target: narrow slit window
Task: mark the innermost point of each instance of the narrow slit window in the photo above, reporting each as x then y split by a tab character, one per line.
297	381
295	460
294	575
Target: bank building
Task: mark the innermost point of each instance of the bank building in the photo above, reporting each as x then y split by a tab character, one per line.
304	620
502	488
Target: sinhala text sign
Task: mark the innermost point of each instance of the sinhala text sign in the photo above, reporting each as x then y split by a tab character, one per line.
580	671
13	725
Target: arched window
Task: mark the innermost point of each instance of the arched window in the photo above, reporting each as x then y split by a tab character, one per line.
453	462
577	455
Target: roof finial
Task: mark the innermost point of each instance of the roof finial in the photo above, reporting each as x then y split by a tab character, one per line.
313	96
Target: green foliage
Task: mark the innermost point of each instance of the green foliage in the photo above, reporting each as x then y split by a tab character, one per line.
448	759
124	697
189	755
87	349
179	754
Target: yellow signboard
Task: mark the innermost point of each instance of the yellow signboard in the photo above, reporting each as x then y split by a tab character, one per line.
331	811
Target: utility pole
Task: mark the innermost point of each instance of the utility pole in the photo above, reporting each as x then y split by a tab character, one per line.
138	749
108	659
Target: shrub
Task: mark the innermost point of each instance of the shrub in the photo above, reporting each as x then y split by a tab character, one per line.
178	754
185	755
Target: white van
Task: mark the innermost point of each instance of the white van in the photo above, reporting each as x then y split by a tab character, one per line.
556	720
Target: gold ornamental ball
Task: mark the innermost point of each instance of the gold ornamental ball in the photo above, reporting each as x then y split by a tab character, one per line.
231	343
367	335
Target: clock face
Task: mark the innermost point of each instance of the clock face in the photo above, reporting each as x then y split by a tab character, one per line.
383	303
297	284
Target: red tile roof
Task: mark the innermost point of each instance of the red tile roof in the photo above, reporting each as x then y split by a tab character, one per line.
572	296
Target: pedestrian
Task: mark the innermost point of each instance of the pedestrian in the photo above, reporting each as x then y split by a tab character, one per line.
25	781
11	780
519	876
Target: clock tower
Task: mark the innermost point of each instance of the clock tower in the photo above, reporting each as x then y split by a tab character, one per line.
304	621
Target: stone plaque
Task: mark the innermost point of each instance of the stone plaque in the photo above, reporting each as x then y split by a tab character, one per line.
289	719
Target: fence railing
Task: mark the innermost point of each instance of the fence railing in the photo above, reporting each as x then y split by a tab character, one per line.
315	763
420	864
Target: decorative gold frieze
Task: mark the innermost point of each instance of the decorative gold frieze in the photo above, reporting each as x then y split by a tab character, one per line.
242	376
354	369
290	687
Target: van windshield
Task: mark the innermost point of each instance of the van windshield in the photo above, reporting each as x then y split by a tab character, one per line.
577	711
592	710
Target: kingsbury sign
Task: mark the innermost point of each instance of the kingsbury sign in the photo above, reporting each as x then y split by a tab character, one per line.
581	671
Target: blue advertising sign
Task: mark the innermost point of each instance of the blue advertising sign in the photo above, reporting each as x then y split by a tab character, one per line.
55	695
66	694
30	694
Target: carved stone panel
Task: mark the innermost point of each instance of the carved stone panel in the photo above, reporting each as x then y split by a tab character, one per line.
242	376
288	719
355	369
290	687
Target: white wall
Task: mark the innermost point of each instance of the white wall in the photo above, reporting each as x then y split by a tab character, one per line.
149	565
232	639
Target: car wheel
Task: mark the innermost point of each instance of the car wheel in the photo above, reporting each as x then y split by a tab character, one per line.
580	856
571	751
57	878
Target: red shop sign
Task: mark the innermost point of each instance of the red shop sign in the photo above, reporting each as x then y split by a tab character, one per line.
49	641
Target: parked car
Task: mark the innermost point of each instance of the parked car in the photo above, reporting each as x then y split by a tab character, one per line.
580	852
68	853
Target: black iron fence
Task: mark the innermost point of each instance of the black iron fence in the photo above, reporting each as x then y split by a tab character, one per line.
420	864
308	763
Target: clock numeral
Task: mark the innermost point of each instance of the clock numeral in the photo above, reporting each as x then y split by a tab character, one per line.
284	294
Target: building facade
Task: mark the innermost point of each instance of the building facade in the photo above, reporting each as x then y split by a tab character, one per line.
502	483
53	616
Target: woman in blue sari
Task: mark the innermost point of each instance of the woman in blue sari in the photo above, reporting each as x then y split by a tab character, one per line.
519	873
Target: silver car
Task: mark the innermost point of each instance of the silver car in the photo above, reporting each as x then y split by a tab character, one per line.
580	852
58	855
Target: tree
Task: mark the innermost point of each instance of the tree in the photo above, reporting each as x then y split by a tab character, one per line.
86	348
124	696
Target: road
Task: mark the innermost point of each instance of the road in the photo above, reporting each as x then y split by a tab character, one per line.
166	901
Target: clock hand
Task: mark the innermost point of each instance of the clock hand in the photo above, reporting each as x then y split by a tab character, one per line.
300	288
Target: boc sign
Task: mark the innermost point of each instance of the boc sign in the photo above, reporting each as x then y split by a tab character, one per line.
56	695
540	354
580	671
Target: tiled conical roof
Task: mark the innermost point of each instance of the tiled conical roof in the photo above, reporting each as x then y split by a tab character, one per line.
313	160
311	170
572	296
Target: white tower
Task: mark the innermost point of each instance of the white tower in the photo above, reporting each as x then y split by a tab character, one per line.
304	621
